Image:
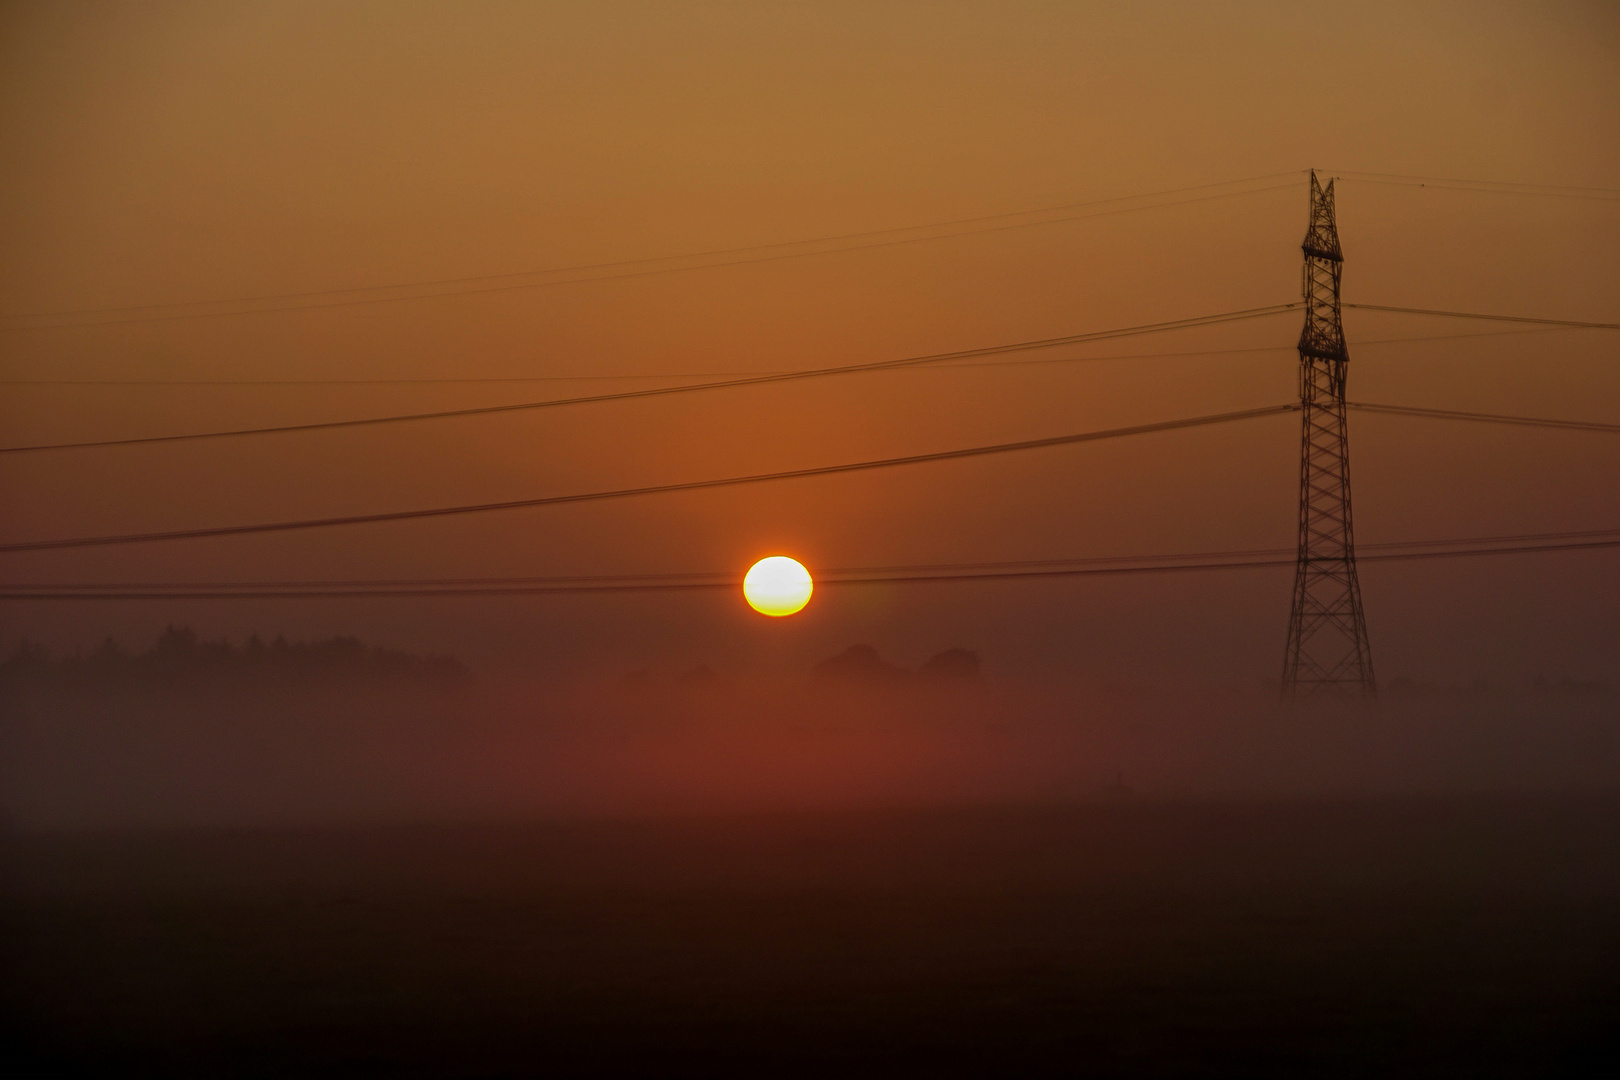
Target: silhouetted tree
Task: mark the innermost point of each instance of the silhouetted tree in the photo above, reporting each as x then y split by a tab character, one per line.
858	663
952	664
181	659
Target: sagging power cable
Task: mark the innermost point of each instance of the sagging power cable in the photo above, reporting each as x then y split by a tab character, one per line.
685	388
653	489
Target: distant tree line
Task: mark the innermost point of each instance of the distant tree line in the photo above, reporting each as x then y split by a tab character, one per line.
862	664
182	660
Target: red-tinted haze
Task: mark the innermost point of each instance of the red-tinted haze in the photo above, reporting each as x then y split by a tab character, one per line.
162	153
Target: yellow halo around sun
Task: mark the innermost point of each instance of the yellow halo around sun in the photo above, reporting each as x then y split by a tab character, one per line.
777	586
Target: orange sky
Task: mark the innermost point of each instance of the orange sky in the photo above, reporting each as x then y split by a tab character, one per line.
166	153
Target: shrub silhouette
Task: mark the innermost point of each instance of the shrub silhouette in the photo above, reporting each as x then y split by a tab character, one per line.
181	659
952	664
858	663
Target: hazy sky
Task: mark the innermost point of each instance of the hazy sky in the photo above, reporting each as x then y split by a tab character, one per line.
160	154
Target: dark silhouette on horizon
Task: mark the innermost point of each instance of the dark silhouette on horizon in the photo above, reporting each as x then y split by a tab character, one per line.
180	659
862	664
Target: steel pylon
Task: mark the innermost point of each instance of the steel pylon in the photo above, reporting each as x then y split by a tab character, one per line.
1327	633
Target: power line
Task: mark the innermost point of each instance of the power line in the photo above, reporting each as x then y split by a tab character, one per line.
824	575
1212	561
476	285
1496	187
470	286
1488	418
625	395
733	374
485	278
1510	538
1577	425
654	489
1490	318
604	270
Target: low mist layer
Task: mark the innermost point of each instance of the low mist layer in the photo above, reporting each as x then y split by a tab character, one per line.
195	733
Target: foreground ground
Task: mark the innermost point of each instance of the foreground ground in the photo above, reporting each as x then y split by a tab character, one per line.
1459	937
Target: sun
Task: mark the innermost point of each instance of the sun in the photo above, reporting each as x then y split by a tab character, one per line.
777	586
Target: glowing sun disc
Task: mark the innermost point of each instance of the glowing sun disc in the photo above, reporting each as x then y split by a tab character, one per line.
777	586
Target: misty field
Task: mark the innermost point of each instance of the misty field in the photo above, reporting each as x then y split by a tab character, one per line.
335	862
200	735
1456	936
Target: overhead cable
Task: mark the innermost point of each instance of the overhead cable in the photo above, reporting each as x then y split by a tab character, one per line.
496	283
823	574
1215	561
1490	318
1494	187
1487	418
506	380
653	489
685	388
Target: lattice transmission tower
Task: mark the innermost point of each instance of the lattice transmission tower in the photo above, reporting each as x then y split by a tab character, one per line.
1327	633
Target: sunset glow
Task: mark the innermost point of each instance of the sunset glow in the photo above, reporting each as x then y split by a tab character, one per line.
777	586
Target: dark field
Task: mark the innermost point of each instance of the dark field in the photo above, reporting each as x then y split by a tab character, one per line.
1460	937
